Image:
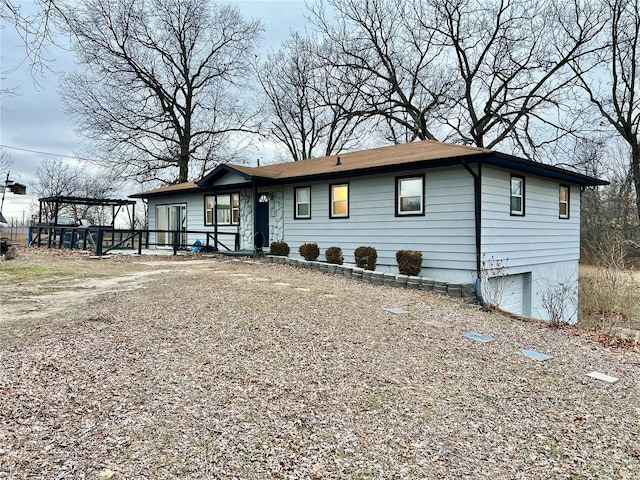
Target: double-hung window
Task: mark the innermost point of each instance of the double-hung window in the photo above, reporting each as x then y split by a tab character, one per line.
410	195
339	201
226	207
564	201
302	208
517	195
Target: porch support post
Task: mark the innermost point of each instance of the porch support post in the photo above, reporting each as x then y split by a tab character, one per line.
215	220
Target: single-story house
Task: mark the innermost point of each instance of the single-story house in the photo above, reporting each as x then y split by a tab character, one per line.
472	212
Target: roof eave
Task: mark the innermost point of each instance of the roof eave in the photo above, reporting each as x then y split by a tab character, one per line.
166	193
504	160
381	169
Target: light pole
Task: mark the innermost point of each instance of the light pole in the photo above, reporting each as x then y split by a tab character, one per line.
16	188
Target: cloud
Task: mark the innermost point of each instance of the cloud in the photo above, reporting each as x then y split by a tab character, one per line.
35	119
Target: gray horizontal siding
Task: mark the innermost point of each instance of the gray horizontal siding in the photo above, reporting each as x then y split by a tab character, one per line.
195	218
444	235
537	237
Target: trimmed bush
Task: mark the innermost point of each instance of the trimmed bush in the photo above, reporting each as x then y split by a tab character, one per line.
366	257
279	248
409	262
309	251
334	255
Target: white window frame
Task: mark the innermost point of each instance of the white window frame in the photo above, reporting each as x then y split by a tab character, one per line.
297	203
333	202
566	202
399	196
169	218
234	209
521	195
209	209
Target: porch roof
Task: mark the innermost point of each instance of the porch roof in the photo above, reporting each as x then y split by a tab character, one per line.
178	188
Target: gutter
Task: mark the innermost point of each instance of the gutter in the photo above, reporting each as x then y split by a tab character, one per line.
477	194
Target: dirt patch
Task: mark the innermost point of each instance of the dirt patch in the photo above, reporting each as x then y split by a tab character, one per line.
237	370
57	281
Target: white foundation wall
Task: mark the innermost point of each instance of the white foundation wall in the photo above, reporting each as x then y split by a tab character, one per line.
522	290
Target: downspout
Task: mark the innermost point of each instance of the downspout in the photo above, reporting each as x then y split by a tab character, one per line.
477	194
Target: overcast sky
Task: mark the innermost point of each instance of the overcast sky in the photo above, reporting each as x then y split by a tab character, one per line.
34	120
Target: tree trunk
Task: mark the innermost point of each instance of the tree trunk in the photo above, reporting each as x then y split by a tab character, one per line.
183	167
635	168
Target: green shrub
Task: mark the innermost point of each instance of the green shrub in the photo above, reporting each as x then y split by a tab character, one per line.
334	255
366	257
309	251
279	248
409	262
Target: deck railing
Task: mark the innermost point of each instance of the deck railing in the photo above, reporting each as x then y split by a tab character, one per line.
104	239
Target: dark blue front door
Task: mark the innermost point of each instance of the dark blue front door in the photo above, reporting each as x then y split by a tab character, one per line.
262	220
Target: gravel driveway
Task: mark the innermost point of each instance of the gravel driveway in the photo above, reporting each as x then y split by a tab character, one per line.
230	369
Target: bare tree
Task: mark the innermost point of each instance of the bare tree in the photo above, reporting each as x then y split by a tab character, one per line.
160	94
309	108
512	59
614	86
483	73
36	27
382	48
6	161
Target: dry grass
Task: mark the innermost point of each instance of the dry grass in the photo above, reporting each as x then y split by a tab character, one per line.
229	370
20	238
609	298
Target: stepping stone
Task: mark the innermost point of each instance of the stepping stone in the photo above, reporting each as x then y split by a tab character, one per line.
330	295
603	377
395	311
438	324
479	337
535	355
282	284
300	289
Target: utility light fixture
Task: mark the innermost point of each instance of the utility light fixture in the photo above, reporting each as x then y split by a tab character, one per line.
15	188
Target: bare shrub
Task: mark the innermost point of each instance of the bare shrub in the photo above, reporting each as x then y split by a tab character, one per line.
11	253
608	295
608	298
558	300
491	288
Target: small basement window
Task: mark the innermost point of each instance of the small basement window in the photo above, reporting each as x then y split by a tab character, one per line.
517	195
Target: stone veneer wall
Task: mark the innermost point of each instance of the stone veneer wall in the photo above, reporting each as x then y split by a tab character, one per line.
246	219
276	214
